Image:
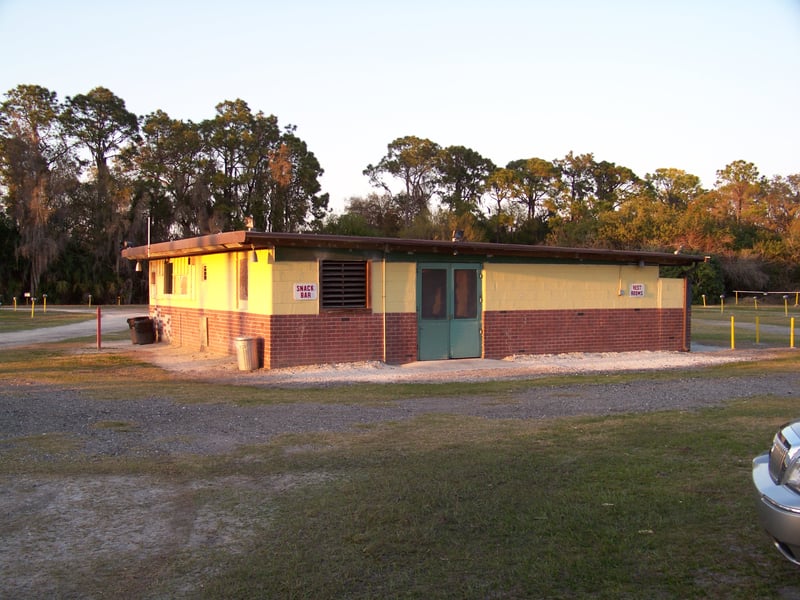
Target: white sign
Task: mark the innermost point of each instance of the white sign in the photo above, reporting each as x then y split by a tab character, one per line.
305	291
637	290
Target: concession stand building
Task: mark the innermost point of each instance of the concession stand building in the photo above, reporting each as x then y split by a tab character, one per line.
313	299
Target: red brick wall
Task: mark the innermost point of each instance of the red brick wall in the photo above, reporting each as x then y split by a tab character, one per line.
328	337
559	331
352	336
401	338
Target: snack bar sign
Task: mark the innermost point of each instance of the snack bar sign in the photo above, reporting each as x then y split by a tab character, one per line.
637	290
305	291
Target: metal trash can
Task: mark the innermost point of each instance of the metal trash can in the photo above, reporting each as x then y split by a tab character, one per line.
142	330
247	353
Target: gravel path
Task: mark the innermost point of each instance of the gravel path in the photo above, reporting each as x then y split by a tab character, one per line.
159	426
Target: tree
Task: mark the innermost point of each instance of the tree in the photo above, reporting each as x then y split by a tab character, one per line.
37	171
462	178
170	166
501	187
613	185
256	170
576	185
294	192
739	185
100	124
537	179
378	212
673	187
414	162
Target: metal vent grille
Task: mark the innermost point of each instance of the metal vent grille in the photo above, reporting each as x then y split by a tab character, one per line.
343	283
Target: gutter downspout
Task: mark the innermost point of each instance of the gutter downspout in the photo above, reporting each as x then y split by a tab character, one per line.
383	303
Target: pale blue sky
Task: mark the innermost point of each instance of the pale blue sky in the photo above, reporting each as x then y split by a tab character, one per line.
690	84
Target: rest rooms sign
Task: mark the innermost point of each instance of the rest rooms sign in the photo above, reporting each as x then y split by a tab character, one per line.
637	290
305	291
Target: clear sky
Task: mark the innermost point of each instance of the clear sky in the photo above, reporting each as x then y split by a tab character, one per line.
690	84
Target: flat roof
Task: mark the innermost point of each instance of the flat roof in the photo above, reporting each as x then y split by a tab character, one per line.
233	241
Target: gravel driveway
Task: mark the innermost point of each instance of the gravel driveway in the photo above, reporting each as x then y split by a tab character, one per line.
164	427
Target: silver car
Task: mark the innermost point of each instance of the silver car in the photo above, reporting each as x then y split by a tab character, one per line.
776	475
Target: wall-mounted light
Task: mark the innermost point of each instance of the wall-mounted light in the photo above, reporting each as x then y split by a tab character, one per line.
138	268
253	255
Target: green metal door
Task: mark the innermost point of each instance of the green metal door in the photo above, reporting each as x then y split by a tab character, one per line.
449	310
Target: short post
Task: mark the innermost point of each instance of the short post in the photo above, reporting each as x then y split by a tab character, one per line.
722	303
33	305
99	336
791	333
15	304
733	337
704	301
44	299
758	336
786	305
90	299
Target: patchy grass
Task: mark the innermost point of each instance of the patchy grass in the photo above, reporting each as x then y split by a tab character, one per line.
712	326
21	320
99	375
631	506
635	506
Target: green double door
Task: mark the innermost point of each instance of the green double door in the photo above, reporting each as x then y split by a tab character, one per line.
448	310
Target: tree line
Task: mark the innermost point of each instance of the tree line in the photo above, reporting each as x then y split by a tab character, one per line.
80	178
747	223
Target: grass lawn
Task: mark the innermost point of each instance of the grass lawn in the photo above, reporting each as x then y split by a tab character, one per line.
769	326
630	506
21	319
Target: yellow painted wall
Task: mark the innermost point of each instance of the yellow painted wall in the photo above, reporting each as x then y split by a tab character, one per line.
220	288
286	274
505	286
401	295
553	287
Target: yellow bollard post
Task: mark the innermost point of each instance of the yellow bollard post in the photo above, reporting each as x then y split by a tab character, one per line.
733	337
33	304
791	333
722	304
758	335
15	304
44	299
785	305
704	301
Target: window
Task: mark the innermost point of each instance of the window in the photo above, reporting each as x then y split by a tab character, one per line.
343	283
167	277
243	277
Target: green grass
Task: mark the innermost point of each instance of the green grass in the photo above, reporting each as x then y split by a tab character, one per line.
21	319
633	506
712	326
640	506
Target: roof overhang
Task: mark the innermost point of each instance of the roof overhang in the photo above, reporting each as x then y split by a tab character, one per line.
234	241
